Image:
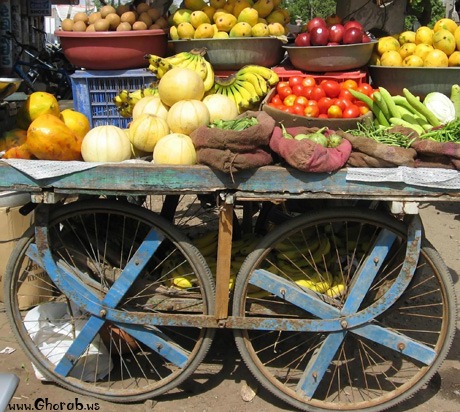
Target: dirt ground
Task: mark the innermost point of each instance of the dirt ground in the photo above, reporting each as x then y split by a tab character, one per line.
218	384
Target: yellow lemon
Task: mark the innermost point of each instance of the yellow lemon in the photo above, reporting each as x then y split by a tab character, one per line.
391	58
457	37
413	61
204	31
454	59
424	35
185	30
221	35
387	43
445	24
199	17
422	50
444	40
209	10
375	59
436	58
406	37
37	103
407	49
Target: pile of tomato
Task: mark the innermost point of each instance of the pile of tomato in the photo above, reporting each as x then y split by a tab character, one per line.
321	98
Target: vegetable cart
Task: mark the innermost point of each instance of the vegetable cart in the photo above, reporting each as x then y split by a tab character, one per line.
339	307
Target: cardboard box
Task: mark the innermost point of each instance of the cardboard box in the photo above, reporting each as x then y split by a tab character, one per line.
36	288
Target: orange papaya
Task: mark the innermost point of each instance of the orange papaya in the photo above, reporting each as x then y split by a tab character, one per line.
48	138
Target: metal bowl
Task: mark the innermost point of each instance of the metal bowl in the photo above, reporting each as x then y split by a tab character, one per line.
8	86
112	50
234	53
419	80
330	58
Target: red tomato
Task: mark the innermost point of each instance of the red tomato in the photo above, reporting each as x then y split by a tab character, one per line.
289	100
349	84
278	106
324	103
331	87
298	89
345	94
351	112
309	81
294	80
288	109
334	111
299	109
276	99
365	88
363	110
281	85
312	110
285	92
323	116
317	93
307	90
301	100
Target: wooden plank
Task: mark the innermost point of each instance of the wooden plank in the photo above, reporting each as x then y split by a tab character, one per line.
267	182
224	258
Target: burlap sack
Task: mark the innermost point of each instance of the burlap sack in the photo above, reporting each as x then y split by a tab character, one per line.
377	154
307	155
230	162
236	141
437	154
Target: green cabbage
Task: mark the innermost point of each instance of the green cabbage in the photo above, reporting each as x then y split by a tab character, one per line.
441	106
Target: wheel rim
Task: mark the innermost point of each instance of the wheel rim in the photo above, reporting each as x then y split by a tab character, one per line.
317	370
125	361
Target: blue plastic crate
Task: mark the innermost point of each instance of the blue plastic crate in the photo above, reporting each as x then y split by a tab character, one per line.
94	90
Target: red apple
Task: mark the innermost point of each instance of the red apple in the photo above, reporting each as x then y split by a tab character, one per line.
333	19
353	23
352	36
302	39
336	32
333	43
319	36
365	39
315	22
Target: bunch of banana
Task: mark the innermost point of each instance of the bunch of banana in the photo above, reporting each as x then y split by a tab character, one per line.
194	60
125	99
247	87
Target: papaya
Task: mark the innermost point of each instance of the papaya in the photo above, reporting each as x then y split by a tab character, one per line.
18	152
36	104
48	138
12	138
76	121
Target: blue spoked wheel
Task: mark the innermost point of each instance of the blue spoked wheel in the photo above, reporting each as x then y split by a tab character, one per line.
110	277
344	309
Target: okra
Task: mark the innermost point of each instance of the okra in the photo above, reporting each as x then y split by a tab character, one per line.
401	101
386	96
380	117
382	104
396	121
420	107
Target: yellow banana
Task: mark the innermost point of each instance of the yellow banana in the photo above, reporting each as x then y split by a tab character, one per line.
178	59
117	101
250	88
201	68
163	68
268	74
205	239
246	98
336	291
209	79
253	78
153	59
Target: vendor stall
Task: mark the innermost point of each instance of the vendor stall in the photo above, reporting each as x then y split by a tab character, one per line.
301	178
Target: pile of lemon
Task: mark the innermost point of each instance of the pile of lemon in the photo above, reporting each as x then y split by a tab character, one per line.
426	47
200	19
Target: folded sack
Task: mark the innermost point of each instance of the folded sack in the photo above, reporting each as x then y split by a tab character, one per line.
377	154
305	154
236	141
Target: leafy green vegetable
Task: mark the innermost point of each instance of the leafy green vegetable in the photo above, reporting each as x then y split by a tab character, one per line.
235	124
382	135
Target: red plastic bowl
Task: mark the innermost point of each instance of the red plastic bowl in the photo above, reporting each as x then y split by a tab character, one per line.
112	50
